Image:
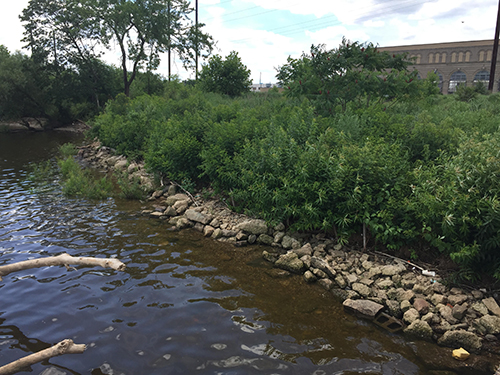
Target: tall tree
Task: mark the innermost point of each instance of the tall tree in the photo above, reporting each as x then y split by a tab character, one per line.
72	31
225	76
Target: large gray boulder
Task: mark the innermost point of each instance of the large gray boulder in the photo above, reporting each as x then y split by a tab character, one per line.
290	262
323	266
198	217
363	308
419	329
461	339
488	324
170	201
253	226
492	306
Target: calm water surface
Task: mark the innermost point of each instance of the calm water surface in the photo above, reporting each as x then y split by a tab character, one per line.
184	305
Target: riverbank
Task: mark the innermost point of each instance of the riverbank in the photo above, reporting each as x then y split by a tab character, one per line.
393	293
32	124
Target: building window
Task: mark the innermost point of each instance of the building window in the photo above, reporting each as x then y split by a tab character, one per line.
460	57
482	77
456	79
454	57
419	57
443	57
481	55
436	57
467	56
488	55
431	58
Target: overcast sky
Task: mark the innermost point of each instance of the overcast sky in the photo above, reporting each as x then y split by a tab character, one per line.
266	32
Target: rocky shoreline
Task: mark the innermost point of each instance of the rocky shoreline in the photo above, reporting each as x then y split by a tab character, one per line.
393	293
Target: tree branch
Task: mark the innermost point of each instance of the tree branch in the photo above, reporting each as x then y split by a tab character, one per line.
61	260
64	347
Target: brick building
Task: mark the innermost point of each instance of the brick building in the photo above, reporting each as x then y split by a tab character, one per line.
455	63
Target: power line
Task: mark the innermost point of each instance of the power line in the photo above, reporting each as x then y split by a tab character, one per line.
318	25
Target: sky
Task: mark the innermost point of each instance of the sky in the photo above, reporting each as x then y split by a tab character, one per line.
266	32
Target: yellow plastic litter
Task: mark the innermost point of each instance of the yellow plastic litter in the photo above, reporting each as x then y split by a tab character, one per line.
461	354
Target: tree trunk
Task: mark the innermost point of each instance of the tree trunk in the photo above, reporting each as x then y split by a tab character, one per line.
64	347
61	260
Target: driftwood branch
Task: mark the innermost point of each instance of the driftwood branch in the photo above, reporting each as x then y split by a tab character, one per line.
61	260
64	347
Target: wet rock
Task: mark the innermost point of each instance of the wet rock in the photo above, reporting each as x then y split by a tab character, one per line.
410	316
304	250
405	295
340	281
183	223
384	283
253	226
208	230
488	324
477	294
198	216
405	305
431	318
278	273
174	198
156	214
458	311
492	306
392	270
480	308
438	299
307	260
438	288
362	289
289	242
351	278
461	339
215	223
180	206
327	284
290	262
457	299
323	266
280	227
420	329
217	233
310	277
278	236
421	305
363	308
252	238
270	257
170	211
394	308
319	274
446	312
264	239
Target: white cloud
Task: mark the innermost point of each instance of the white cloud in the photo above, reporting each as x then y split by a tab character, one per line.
371	23
11	29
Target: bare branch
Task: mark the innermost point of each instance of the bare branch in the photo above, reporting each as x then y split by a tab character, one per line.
64	347
61	260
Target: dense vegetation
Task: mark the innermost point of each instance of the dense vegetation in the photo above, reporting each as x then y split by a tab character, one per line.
356	142
418	173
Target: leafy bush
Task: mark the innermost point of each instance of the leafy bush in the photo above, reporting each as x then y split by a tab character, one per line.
78	182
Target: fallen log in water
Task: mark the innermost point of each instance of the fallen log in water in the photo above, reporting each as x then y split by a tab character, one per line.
61	260
64	347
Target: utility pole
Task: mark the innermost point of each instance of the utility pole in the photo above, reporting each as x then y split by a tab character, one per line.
196	20
495	52
169	33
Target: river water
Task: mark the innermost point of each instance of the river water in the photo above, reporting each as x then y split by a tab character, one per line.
184	304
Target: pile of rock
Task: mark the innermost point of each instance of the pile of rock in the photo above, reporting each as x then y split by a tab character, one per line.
103	158
425	307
